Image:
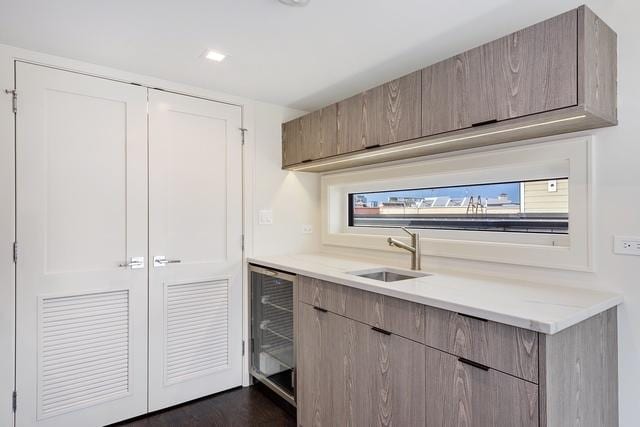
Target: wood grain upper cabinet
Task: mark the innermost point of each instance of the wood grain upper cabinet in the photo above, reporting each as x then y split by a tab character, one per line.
459	393
536	69
554	77
318	134
310	137
383	115
530	71
291	142
459	92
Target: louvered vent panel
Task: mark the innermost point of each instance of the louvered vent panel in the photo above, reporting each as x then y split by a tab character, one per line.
84	351
197	329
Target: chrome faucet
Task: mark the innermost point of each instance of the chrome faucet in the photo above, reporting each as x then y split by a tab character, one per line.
414	248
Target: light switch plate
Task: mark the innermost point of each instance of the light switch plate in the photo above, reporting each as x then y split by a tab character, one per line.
307	229
265	217
626	245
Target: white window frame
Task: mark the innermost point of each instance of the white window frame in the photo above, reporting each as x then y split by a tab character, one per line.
521	161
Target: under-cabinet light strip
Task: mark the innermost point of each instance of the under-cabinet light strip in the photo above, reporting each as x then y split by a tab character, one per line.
429	144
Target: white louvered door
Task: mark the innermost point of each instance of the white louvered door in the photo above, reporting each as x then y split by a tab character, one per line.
81	190
195	223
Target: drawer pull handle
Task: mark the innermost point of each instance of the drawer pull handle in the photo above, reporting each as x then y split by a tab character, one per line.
368	147
473	317
472	363
307	160
382	331
320	309
486	122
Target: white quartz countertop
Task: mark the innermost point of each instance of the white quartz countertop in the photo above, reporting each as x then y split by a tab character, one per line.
539	307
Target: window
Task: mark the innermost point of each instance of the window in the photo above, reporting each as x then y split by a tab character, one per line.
536	206
525	204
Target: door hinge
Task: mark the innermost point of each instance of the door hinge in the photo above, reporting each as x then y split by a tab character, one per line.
243	130
15	252
14	98
243	347
14	401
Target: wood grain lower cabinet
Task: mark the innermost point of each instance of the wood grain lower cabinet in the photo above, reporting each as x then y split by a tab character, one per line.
471	372
393	369
401	317
461	394
503	347
325	367
351	374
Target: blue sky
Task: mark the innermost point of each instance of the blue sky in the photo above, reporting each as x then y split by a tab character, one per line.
485	191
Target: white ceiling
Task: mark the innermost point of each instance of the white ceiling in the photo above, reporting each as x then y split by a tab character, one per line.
299	57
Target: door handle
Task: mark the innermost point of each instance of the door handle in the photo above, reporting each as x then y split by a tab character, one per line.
162	261
136	262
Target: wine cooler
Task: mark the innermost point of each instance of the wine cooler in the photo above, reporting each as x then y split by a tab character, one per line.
273	325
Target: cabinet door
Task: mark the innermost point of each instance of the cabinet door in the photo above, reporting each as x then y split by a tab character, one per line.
328	354
461	394
383	115
312	364
458	92
291	142
444	92
350	374
536	68
393	369
355	130
319	134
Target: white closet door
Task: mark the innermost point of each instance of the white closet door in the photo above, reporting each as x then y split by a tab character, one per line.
81	211
195	226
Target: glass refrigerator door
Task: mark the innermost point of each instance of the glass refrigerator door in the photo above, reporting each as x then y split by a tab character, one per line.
272	334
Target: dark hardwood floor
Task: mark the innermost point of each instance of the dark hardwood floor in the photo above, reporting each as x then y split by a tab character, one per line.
250	406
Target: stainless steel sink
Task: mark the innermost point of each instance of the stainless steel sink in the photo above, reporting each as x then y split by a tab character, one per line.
389	274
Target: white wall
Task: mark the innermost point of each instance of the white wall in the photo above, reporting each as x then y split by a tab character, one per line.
292	197
616	211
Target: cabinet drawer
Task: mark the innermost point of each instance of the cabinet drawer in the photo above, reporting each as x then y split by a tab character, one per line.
459	393
401	317
502	347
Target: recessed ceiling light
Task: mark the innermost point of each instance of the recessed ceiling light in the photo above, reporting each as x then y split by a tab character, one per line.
215	56
295	2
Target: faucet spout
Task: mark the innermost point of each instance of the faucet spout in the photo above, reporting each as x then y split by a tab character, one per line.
399	244
414	248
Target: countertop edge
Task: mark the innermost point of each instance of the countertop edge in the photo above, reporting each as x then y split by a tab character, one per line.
548	328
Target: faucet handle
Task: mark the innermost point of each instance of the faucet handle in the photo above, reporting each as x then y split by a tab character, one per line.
406	230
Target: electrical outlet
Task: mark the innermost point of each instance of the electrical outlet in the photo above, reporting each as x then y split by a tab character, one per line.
307	229
265	217
626	245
